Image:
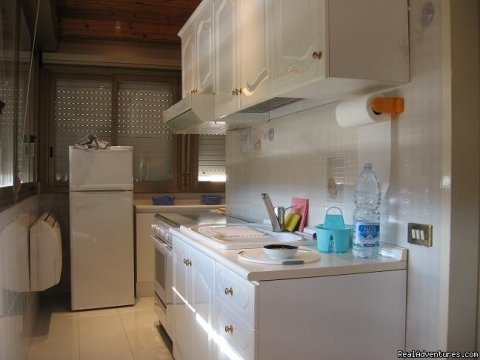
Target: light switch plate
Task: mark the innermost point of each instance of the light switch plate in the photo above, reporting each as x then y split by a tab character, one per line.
420	234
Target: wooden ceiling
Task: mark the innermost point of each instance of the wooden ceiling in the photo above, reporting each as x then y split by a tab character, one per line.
134	20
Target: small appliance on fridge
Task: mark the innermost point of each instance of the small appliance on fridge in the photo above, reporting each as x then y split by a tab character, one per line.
101	227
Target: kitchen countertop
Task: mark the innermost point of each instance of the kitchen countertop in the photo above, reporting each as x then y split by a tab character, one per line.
188	219
391	258
145	205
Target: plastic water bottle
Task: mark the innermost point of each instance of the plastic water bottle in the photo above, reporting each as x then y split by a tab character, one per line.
366	218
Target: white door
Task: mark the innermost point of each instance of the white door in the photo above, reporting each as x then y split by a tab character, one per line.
299	36
201	298
205	51
254	51
101	249
188	61
226	58
183	311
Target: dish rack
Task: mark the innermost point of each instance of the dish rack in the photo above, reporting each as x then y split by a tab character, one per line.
227	233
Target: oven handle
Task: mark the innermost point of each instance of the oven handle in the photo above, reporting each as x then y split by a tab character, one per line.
161	246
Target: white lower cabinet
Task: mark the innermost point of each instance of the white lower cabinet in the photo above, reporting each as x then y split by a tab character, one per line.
236	338
234	320
193	303
221	315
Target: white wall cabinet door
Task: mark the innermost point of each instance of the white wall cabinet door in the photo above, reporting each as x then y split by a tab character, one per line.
198	52
188	60
254	51
299	42
226	57
193	303
204	46
242	58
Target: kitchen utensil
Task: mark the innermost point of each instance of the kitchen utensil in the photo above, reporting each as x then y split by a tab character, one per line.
257	256
333	235
333	240
280	251
334	221
291	221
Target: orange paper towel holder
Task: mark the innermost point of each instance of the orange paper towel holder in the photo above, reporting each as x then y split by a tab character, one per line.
389	105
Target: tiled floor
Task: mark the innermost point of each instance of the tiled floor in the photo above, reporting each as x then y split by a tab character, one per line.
127	333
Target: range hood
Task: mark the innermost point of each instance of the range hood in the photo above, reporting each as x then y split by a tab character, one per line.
194	114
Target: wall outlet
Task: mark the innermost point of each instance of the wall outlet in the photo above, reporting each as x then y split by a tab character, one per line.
420	234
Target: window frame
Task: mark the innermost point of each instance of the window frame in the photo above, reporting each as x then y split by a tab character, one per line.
115	76
8	195
185	148
193	184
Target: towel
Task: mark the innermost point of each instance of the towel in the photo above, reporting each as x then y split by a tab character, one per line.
91	142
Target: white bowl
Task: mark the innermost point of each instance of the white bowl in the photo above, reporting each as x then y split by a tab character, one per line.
280	251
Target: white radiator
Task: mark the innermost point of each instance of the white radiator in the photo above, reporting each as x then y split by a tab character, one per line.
45	253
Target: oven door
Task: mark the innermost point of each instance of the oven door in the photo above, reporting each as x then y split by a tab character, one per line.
163	271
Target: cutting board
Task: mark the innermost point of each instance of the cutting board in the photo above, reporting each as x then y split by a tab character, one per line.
303	256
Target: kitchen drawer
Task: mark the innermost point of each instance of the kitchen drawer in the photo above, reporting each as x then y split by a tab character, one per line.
238	294
235	335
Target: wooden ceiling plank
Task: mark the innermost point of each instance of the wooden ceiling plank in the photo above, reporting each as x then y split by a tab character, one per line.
118	30
142	20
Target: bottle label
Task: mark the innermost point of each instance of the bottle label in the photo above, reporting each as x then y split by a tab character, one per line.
366	235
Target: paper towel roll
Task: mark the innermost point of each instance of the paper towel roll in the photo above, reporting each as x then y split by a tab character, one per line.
358	111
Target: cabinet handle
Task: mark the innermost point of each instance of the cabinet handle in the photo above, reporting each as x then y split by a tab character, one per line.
229	329
188	262
317	55
234	92
228	291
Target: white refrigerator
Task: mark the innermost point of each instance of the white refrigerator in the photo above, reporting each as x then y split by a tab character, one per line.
101	227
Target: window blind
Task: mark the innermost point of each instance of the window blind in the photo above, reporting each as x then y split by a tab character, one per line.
140	124
81	107
211	158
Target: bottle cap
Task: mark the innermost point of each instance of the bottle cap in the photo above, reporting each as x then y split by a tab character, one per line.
367	166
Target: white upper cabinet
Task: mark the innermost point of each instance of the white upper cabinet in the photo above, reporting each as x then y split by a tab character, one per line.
242	46
249	51
333	49
198	52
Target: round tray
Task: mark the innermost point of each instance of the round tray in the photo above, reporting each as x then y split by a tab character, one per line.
303	256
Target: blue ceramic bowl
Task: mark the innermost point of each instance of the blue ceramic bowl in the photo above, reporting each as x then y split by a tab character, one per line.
211	199
163	200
